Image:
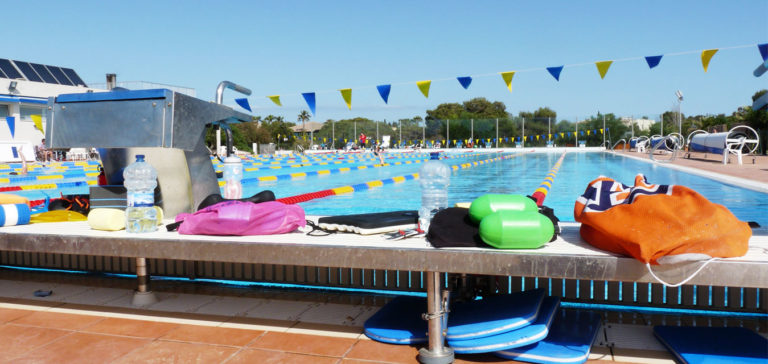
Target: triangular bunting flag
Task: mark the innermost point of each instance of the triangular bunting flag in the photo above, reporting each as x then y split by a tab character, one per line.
507	76
11	125
601	131
602	67
384	92
763	48
464	81
275	99
346	93
555	71
424	87
309	97
653	61
706	56
243	103
38	121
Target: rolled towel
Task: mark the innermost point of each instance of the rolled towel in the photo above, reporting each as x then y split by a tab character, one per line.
14	214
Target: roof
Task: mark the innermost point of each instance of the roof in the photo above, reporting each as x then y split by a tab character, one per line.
309	126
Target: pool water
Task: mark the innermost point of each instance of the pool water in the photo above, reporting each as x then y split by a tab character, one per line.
519	175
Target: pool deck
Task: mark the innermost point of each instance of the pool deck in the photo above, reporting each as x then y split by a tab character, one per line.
89	319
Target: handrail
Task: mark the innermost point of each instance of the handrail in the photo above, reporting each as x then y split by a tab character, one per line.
622	140
677	145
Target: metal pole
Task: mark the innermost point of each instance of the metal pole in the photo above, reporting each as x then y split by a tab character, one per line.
447	131
400	127
377	130
577	132
333	134
603	130
472	129
523	132
424	134
497	133
437	353
142	296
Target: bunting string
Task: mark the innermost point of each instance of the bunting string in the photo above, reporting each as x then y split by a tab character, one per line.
707	55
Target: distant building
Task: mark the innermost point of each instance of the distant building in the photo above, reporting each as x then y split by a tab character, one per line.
637	124
24	91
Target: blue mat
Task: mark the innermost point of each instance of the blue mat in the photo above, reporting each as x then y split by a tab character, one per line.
526	335
399	322
569	341
493	315
713	344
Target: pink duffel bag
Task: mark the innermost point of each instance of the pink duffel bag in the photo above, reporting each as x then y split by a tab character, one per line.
242	218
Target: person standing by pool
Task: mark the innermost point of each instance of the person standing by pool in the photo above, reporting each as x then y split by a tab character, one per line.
362	140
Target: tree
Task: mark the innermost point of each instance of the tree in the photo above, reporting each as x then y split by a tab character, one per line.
303	117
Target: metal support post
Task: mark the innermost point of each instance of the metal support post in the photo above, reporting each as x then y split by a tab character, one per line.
436	315
142	296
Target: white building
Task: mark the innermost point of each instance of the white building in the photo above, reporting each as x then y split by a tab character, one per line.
637	124
24	91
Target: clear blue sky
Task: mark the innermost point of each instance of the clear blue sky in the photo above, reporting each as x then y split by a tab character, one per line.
289	47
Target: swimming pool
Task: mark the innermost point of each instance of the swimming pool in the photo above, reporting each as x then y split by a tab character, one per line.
521	174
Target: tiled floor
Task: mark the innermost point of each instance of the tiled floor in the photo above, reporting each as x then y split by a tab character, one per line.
84	322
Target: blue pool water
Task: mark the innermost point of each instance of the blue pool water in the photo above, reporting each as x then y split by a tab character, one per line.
519	175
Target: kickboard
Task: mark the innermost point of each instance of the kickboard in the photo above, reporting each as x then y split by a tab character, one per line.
399	322
373	223
713	344
526	335
569	341
493	315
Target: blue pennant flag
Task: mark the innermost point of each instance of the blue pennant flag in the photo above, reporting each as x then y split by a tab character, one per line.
582	132
653	61
518	139
11	124
763	51
464	81
244	104
309	97
555	71
384	92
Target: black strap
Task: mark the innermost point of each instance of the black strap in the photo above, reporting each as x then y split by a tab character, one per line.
315	227
173	226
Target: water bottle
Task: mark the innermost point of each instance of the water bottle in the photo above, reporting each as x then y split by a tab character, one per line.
233	175
434	178
140	182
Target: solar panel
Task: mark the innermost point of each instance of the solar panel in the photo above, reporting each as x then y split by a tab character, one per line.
44	73
9	70
60	76
73	76
28	71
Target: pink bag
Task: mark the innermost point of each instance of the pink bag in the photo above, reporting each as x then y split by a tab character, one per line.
242	218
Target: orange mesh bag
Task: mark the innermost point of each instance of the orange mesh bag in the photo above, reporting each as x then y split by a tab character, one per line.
658	223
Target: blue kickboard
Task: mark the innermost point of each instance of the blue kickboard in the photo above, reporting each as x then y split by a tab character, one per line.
399	322
493	315
713	344
526	335
569	341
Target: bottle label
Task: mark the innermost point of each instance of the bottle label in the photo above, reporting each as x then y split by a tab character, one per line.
139	199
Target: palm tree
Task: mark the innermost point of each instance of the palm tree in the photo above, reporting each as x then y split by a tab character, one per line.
303	116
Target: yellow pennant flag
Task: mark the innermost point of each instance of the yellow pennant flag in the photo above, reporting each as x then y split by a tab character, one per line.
38	120
537	137
275	99
562	135
424	87
549	136
602	67
706	56
588	132
507	76
346	93
601	131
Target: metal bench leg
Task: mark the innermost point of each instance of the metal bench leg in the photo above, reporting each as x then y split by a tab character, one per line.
437	353
142	296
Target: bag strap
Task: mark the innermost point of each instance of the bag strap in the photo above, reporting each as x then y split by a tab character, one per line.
315	227
173	226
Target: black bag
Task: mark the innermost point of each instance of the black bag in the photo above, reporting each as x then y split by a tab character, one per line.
451	228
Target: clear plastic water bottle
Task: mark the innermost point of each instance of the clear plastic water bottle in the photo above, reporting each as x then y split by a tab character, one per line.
140	182
233	176
434	178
